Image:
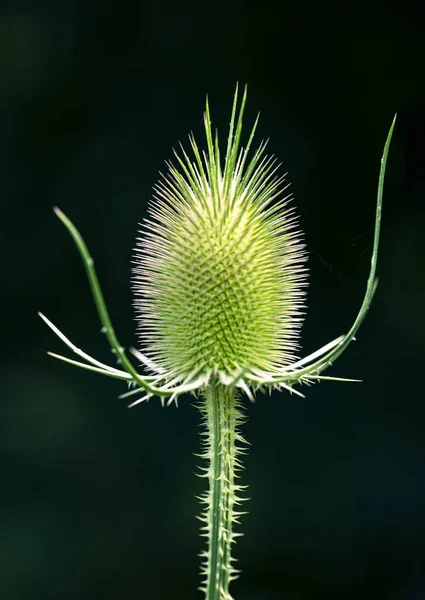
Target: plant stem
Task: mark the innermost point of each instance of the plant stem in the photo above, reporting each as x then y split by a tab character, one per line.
220	409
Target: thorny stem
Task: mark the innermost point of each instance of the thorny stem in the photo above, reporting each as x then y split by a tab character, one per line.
221	412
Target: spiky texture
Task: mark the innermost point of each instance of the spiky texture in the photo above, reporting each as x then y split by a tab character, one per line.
219	287
221	411
219	265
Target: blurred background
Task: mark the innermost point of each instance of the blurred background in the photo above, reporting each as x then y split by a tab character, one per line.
97	501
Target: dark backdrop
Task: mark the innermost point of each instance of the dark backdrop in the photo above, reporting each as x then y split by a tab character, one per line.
98	501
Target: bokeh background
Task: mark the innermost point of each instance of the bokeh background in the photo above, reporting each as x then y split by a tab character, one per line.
97	501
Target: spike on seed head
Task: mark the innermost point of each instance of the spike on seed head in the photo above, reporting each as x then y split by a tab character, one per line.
219	273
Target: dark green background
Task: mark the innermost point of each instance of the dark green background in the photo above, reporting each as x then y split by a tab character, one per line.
97	501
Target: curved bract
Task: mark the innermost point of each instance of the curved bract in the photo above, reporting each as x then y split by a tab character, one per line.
219	279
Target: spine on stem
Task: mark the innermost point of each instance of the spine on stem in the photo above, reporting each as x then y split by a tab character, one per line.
221	413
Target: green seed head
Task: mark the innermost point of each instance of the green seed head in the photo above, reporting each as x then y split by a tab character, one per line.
219	273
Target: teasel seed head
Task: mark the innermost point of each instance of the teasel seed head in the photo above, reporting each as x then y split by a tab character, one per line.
219	273
219	280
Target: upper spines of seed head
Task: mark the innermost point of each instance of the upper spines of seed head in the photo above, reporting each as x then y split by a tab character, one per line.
219	268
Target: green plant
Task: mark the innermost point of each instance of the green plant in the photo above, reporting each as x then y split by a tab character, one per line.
218	289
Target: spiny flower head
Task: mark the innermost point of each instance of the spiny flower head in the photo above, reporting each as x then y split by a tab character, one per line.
219	279
219	272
